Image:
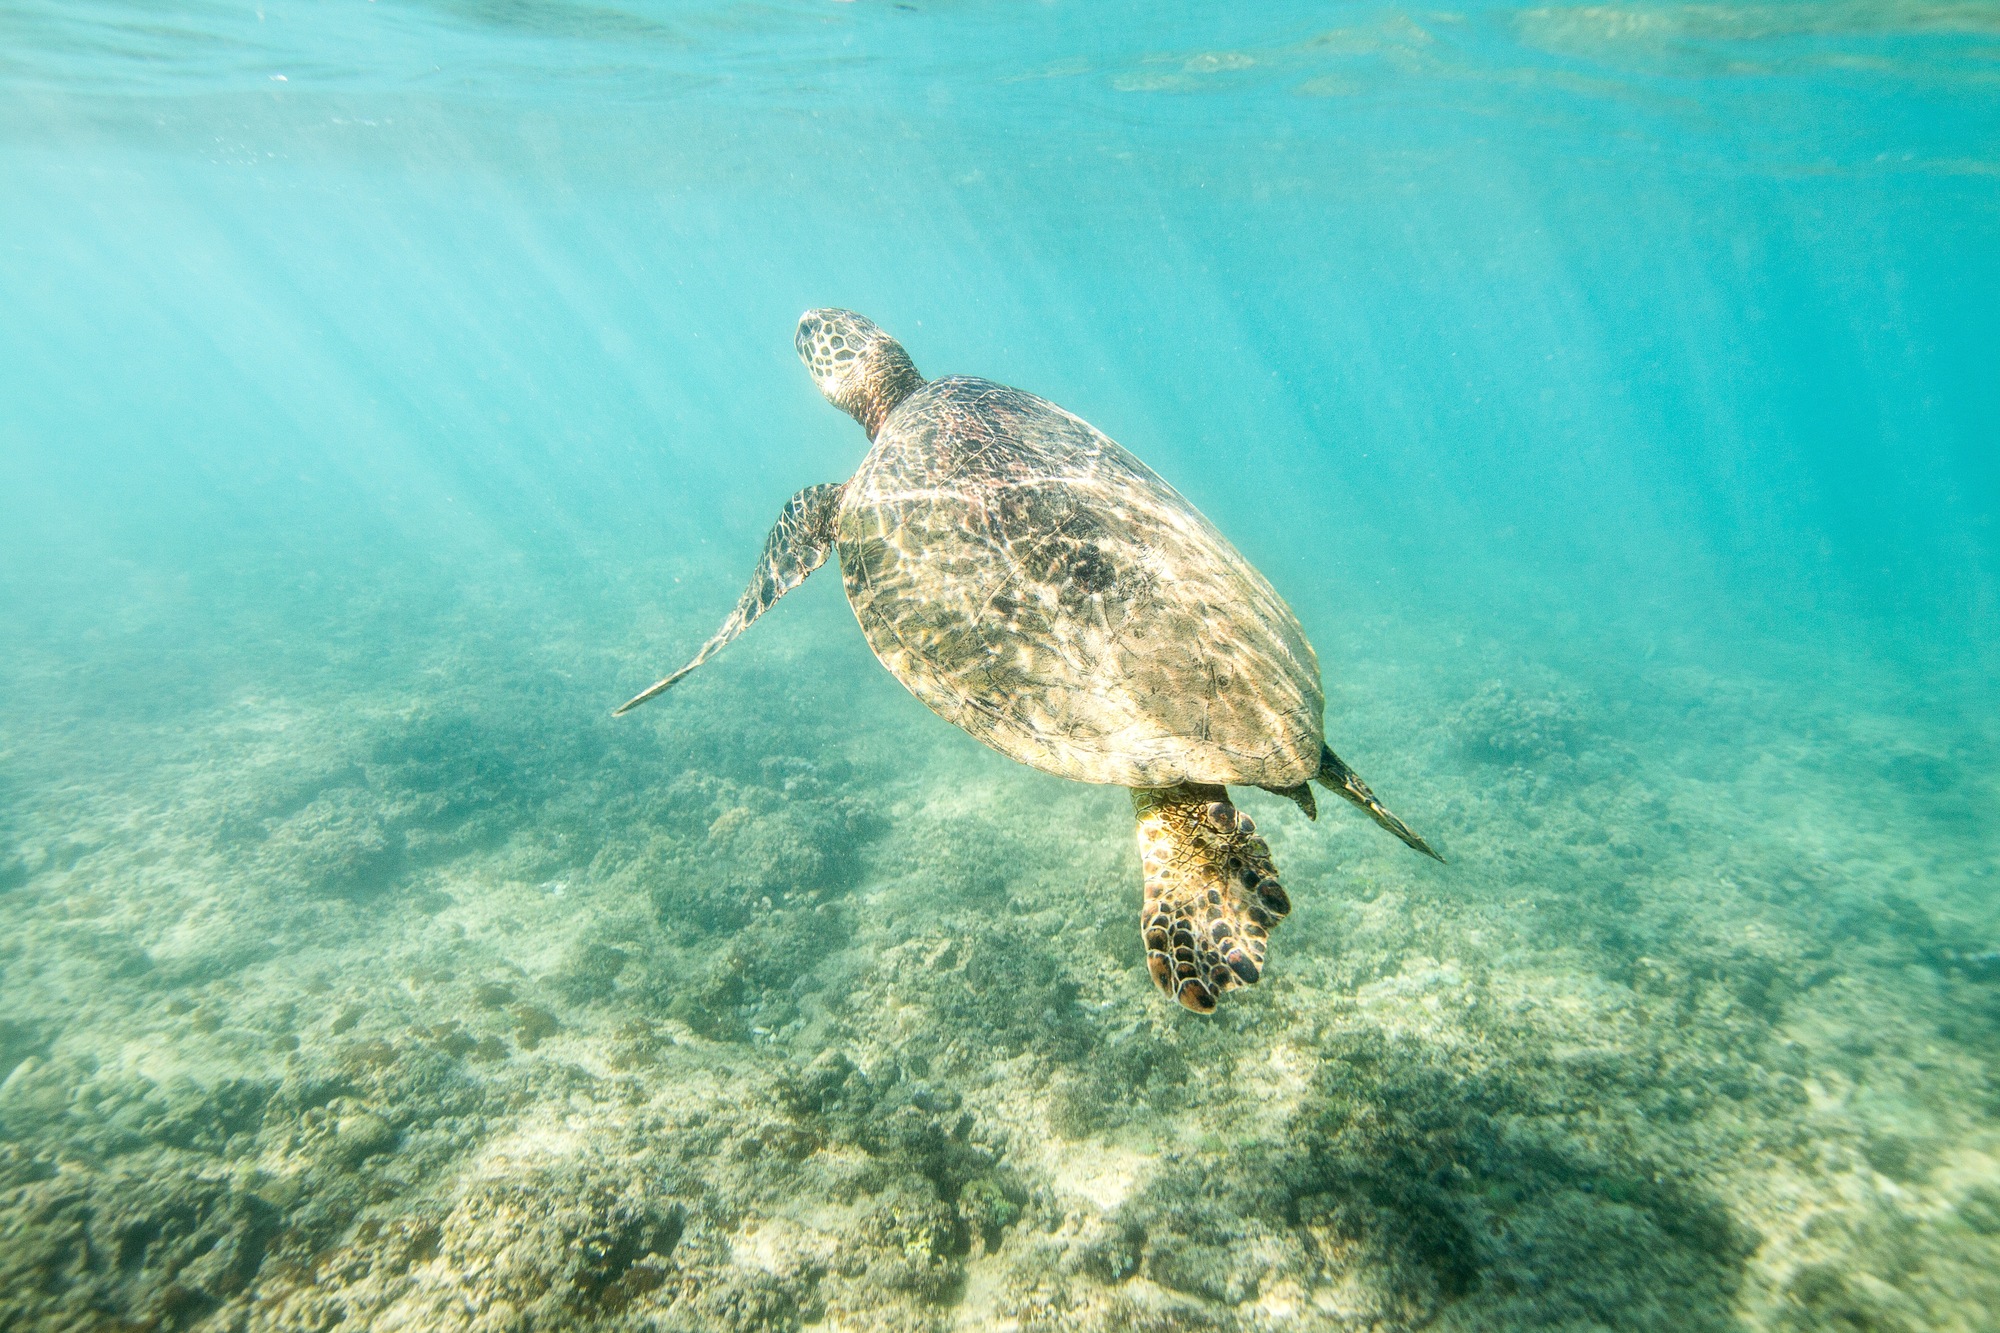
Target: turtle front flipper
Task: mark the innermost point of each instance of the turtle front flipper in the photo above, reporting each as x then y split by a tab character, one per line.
799	543
1212	895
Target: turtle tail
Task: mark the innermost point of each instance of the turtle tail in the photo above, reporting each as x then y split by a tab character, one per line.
1212	895
1336	776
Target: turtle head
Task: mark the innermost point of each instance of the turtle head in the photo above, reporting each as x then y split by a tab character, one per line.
861	370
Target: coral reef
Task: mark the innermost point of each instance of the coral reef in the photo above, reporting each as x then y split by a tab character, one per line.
498	1016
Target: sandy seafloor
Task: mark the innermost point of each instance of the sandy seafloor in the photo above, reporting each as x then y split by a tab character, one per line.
414	992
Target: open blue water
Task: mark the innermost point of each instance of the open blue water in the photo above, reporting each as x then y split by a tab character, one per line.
388	389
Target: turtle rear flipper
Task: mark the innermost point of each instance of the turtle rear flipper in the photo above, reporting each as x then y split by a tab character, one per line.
799	543
1336	776
1212	895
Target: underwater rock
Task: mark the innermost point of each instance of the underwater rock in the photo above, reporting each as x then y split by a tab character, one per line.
743	1302
1896	1156
449	1037
1110	1253
711	1003
1006	989
157	1248
830	1086
37	1094
532	1025
777	853
757	976
589	972
1501	725
464	779
17	1042
493	994
1205	1251
920	1128
754	844
341	844
908	1240
934	1192
909	1126
1972	963
561	1242
204	1118
1980	1209
460	764
989	1204
113	954
18	1166
31	1097
1825	1297
553	1247
806	846
1120	1081
360	1134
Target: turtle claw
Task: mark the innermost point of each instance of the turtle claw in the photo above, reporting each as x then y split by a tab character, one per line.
1212	894
1193	995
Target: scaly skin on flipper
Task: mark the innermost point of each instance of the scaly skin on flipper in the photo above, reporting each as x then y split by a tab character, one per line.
799	543
1212	894
1336	776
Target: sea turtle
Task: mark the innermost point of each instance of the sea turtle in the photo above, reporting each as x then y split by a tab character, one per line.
1037	585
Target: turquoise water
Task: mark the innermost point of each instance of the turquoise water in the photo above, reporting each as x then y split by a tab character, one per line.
388	390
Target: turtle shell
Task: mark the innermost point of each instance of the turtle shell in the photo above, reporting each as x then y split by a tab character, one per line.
1037	585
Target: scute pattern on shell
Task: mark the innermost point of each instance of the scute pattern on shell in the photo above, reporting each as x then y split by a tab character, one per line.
1038	586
